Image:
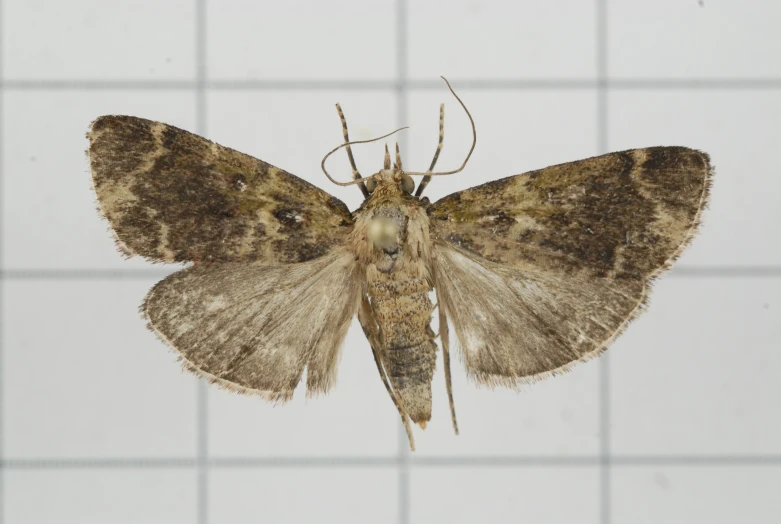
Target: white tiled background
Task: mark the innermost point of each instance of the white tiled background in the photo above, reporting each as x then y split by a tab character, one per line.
679	423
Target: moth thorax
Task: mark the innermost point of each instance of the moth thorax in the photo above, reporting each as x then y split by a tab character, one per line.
383	232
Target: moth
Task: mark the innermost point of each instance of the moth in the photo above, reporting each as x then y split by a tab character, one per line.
534	272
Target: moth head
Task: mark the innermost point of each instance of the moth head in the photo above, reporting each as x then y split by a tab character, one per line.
391	177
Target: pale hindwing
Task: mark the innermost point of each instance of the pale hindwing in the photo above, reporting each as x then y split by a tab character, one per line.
254	328
516	326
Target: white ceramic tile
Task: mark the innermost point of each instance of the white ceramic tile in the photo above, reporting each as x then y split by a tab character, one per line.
694	39
555	417
99	496
331	495
698	373
685	495
740	130
294	129
301	39
533	495
496	39
97	40
84	378
517	131
50	217
357	418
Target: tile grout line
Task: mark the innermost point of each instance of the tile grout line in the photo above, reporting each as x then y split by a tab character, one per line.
2	281
202	413
393	461
602	94
609	84
401	117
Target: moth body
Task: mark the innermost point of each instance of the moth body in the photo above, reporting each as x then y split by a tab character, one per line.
391	241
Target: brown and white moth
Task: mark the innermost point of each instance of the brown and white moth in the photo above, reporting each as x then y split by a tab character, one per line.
534	272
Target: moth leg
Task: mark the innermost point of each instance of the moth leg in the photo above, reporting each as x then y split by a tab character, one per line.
427	178
356	174
370	330
444	336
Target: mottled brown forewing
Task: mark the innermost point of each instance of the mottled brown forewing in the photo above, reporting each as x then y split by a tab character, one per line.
620	215
174	196
543	269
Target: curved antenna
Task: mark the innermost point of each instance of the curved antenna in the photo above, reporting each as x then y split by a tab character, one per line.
337	148
474	140
427	178
356	173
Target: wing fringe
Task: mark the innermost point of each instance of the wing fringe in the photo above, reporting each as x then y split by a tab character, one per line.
274	397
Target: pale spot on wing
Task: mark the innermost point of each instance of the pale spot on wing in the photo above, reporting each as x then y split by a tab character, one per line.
526	222
166	252
182	328
473	343
216	303
116	193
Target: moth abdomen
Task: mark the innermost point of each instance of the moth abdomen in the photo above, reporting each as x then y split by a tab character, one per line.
403	312
411	370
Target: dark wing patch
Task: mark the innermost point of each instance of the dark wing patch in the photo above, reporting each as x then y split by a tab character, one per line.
620	215
174	196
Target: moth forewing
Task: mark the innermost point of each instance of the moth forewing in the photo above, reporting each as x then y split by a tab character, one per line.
173	196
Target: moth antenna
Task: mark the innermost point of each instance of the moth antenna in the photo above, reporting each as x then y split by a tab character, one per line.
474	140
356	174
398	158
427	178
386	162
337	148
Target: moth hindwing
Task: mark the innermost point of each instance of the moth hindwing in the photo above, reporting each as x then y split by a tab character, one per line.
534	272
